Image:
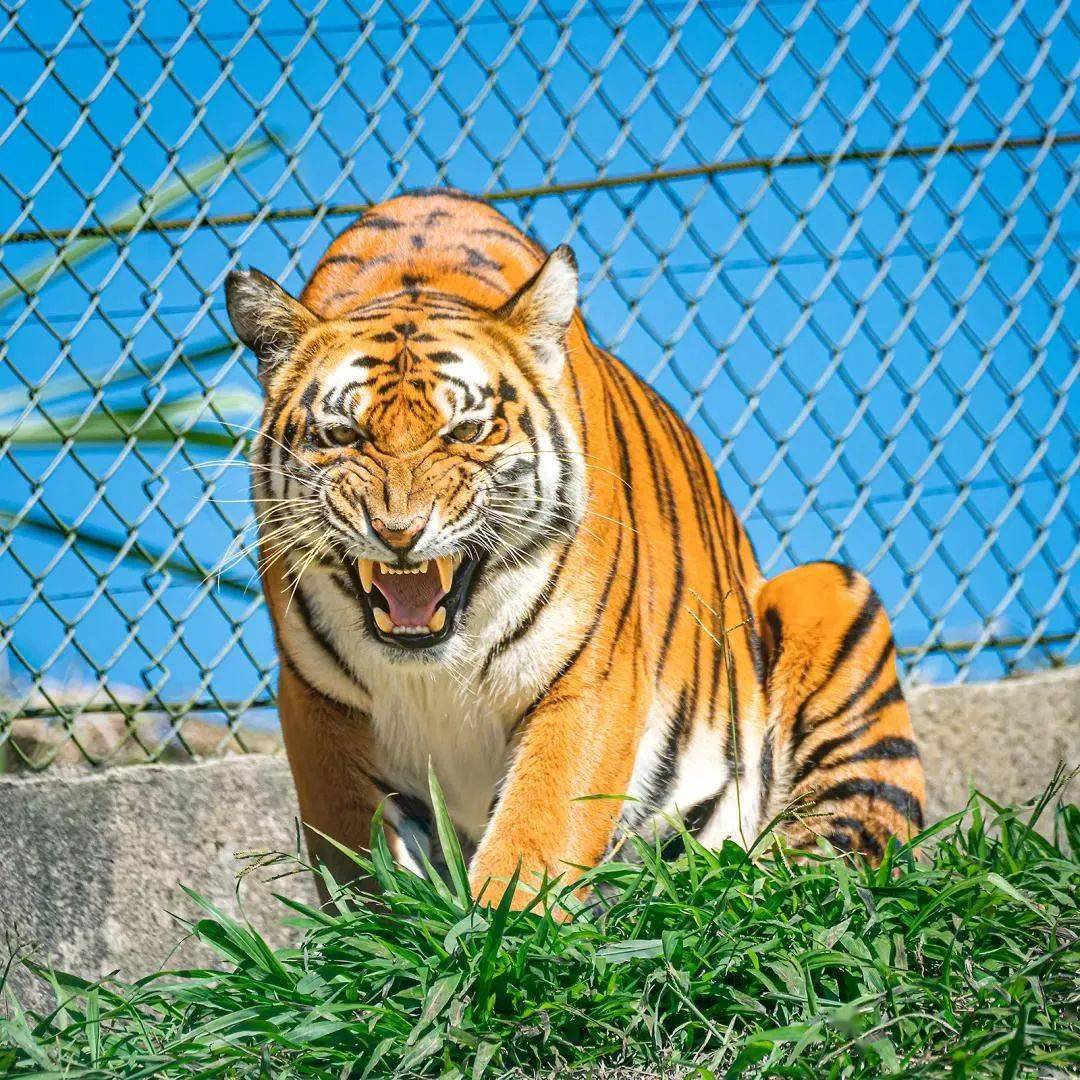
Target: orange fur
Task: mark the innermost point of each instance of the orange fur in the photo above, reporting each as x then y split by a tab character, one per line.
668	620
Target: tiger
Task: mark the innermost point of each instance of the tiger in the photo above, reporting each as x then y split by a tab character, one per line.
492	553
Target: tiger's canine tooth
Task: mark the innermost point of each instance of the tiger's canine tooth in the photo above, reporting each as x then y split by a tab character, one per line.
438	620
383	620
367	571
446	571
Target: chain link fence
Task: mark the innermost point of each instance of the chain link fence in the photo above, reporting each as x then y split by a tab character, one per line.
839	236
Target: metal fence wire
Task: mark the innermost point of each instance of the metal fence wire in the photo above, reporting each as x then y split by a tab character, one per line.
839	235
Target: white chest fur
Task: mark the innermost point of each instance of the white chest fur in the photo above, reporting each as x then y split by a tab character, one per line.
456	710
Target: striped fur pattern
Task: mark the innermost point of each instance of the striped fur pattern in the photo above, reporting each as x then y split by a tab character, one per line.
433	395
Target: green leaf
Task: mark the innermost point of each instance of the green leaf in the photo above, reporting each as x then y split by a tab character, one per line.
1010	890
422	1050
91	539
484	1053
472	923
168	423
440	993
34	277
1016	1045
238	941
621	952
773	968
448	841
494	940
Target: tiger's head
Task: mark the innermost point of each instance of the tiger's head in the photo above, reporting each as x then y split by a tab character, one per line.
419	447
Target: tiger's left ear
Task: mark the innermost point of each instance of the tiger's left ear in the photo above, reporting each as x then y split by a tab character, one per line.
541	310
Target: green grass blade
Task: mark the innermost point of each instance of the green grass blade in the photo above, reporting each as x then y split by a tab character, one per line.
963	962
492	942
1016	1046
448	841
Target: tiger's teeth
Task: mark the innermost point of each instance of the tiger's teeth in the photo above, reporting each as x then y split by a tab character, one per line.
438	620
383	620
422	568
367	570
446	571
385	568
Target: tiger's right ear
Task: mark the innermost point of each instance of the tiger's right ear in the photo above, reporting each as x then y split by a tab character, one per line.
265	317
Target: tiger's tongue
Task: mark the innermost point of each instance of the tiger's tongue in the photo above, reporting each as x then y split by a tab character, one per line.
411	598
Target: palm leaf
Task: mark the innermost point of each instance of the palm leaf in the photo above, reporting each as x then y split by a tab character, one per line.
132	371
166	424
36	275
106	543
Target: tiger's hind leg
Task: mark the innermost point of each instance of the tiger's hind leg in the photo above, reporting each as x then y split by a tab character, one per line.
839	741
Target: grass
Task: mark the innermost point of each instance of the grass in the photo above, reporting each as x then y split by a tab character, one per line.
962	960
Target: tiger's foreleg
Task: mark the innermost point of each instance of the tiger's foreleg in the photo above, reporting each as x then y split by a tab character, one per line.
574	745
845	753
330	755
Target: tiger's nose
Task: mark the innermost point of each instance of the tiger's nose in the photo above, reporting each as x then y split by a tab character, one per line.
399	533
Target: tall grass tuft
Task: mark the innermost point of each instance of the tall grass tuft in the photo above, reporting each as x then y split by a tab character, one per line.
959	956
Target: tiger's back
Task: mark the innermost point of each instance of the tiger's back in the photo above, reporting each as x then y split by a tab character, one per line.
618	637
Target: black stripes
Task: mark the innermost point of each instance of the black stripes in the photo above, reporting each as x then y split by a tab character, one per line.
901	800
765	768
868	716
700	814
859	628
339	260
889	748
479	261
587	637
816	756
855	634
695	819
855	837
774	644
376	221
666	769
324	640
800	731
509	237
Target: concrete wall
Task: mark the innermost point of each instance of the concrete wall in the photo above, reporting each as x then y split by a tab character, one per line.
1004	738
90	862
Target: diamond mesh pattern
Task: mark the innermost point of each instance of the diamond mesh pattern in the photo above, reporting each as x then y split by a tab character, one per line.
839	236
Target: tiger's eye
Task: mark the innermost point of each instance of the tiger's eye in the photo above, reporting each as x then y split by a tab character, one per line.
467	431
342	435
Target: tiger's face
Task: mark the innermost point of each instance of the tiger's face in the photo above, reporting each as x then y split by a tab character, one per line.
414	449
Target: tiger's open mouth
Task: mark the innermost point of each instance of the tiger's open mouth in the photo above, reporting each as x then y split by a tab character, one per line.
418	606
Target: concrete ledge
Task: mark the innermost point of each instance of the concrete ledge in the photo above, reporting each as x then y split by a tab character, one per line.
1004	738
90	862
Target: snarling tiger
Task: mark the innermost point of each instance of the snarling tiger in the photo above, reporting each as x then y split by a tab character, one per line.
486	545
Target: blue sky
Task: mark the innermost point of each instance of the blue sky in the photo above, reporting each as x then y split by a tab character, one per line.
880	355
